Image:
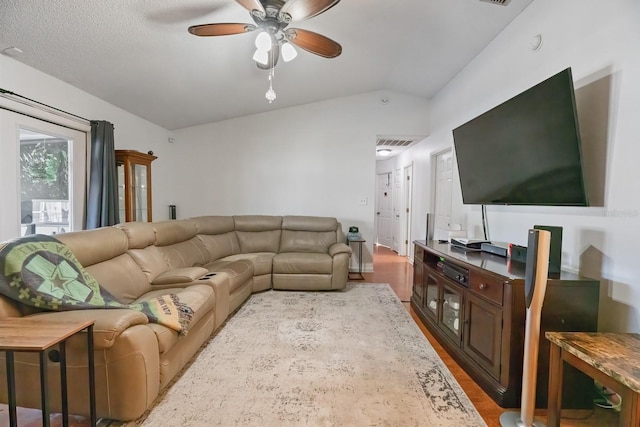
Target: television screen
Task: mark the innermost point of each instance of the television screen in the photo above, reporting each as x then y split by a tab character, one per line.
525	151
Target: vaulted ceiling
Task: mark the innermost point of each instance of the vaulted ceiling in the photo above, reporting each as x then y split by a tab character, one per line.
138	55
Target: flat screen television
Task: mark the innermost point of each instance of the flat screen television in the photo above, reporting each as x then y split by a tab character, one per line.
525	151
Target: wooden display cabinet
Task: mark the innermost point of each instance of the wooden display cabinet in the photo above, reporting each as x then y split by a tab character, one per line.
134	185
480	319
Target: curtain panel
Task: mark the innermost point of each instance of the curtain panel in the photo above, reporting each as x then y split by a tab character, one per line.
102	196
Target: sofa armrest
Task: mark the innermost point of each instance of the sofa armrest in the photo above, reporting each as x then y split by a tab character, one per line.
339	248
109	322
180	275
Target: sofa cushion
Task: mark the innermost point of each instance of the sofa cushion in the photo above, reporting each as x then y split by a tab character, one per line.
179	245
308	234
258	233
94	246
307	241
139	234
220	245
257	222
109	323
214	224
239	271
262	261
170	232
151	261
200	298
259	241
302	263
309	223
180	275
122	277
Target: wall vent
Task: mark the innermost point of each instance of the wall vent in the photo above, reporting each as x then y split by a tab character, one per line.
500	2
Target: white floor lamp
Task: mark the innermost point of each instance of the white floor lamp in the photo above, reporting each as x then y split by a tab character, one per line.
535	286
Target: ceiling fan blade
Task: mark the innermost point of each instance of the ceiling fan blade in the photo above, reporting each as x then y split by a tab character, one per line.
305	9
252	5
314	42
274	54
224	29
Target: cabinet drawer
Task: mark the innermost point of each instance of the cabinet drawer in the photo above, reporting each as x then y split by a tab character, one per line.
486	286
418	253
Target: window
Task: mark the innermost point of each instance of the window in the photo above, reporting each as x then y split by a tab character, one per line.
45	201
43	175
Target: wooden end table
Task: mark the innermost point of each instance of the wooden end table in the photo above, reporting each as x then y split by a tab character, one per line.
18	334
610	358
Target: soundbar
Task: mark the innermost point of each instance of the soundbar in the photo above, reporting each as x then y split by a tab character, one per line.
496	248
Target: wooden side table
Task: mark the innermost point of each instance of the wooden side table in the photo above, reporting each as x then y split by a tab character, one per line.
19	334
610	358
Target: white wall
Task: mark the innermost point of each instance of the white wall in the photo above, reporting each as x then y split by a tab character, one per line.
316	159
600	41
131	132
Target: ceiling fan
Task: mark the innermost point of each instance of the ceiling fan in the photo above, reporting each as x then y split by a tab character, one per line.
273	17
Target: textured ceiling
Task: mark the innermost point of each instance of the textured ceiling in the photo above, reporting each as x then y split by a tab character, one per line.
138	55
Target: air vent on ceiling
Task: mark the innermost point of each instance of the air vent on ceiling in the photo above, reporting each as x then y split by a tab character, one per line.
385	142
500	2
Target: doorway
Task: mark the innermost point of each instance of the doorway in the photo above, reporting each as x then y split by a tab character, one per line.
384	210
442	193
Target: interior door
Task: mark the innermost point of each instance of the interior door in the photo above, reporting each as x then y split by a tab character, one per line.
442	203
408	210
397	211
384	213
43	174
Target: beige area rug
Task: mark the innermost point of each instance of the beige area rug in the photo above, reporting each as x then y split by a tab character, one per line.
351	358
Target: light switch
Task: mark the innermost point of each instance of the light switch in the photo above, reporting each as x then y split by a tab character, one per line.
363	200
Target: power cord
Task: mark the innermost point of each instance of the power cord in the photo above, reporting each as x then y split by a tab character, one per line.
607	399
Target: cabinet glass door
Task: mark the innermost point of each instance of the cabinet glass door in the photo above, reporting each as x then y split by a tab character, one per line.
452	310
431	285
134	185
122	204
140	192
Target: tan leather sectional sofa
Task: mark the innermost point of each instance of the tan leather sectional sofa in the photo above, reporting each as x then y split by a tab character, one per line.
135	359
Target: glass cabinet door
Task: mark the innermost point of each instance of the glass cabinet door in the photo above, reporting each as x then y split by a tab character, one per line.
432	300
121	192
134	185
141	210
452	310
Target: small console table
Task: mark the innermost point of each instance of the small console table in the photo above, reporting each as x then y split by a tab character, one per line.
610	358
32	335
359	241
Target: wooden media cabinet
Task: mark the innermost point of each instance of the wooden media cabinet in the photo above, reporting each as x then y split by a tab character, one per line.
473	303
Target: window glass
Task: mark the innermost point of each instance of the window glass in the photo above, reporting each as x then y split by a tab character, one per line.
45	202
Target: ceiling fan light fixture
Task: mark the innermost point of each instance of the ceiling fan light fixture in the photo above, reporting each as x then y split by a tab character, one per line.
261	56
263	41
271	94
288	52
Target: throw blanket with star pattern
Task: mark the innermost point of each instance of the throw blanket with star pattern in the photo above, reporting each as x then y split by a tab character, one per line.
42	272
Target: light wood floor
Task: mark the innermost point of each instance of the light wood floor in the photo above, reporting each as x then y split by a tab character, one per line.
397	272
